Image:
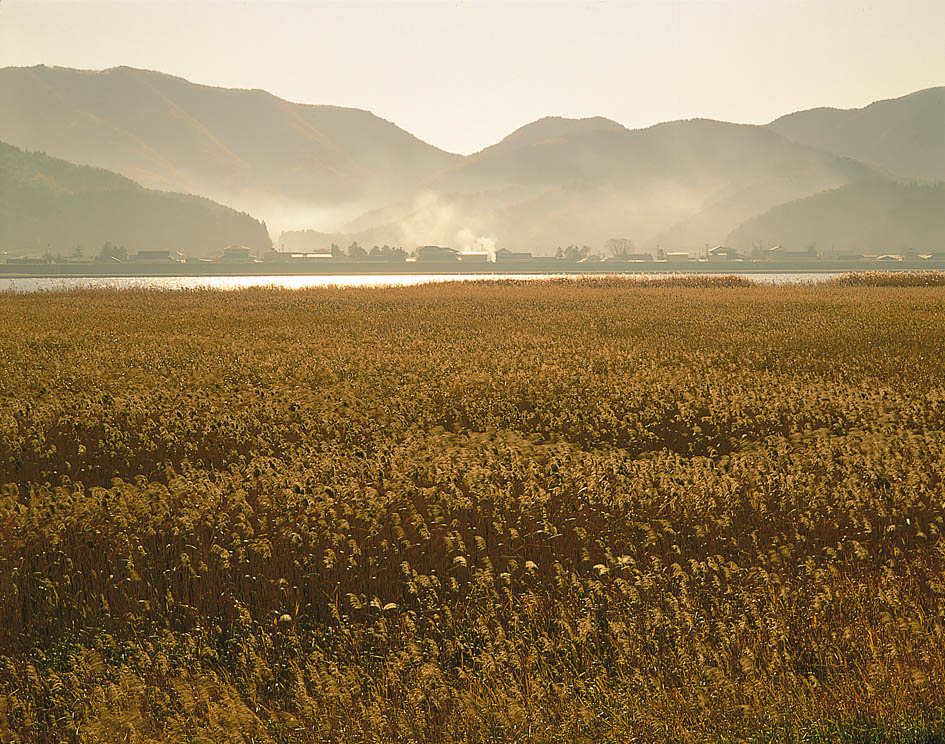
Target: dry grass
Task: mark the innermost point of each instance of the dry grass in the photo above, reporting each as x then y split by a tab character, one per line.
891	279
565	511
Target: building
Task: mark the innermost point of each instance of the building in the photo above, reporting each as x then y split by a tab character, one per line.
504	254
436	253
474	257
780	253
236	253
157	257
297	257
677	256
390	256
630	258
724	253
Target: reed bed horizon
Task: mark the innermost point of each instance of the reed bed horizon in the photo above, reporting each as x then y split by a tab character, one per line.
560	511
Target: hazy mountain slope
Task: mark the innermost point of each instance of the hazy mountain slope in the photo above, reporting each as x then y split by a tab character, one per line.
49	204
553	182
906	136
548	129
239	146
577	182
874	216
711	155
718	218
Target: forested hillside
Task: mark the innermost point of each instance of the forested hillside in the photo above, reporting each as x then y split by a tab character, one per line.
51	205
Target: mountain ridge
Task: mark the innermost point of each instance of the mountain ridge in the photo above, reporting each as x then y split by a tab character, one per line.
235	145
878	216
904	135
52	205
345	171
589	186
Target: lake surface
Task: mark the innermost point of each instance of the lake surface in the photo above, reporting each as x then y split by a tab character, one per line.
44	284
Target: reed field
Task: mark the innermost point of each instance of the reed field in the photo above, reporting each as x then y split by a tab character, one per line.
689	510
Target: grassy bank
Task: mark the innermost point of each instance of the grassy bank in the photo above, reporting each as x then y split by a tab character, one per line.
593	510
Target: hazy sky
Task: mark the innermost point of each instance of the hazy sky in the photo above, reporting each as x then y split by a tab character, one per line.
462	75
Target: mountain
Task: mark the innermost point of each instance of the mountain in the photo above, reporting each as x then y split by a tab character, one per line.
49	204
877	216
556	182
242	147
348	175
905	136
548	130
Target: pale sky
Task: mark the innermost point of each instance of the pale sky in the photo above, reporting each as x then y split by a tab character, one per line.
462	75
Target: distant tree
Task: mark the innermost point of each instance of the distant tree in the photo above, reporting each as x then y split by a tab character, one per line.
110	251
573	253
356	252
77	252
388	253
559	254
619	246
336	250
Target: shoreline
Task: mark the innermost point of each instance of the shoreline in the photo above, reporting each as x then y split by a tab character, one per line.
54	271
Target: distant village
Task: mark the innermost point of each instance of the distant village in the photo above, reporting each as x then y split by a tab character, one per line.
617	254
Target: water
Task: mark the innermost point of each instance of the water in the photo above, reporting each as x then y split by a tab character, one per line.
42	284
